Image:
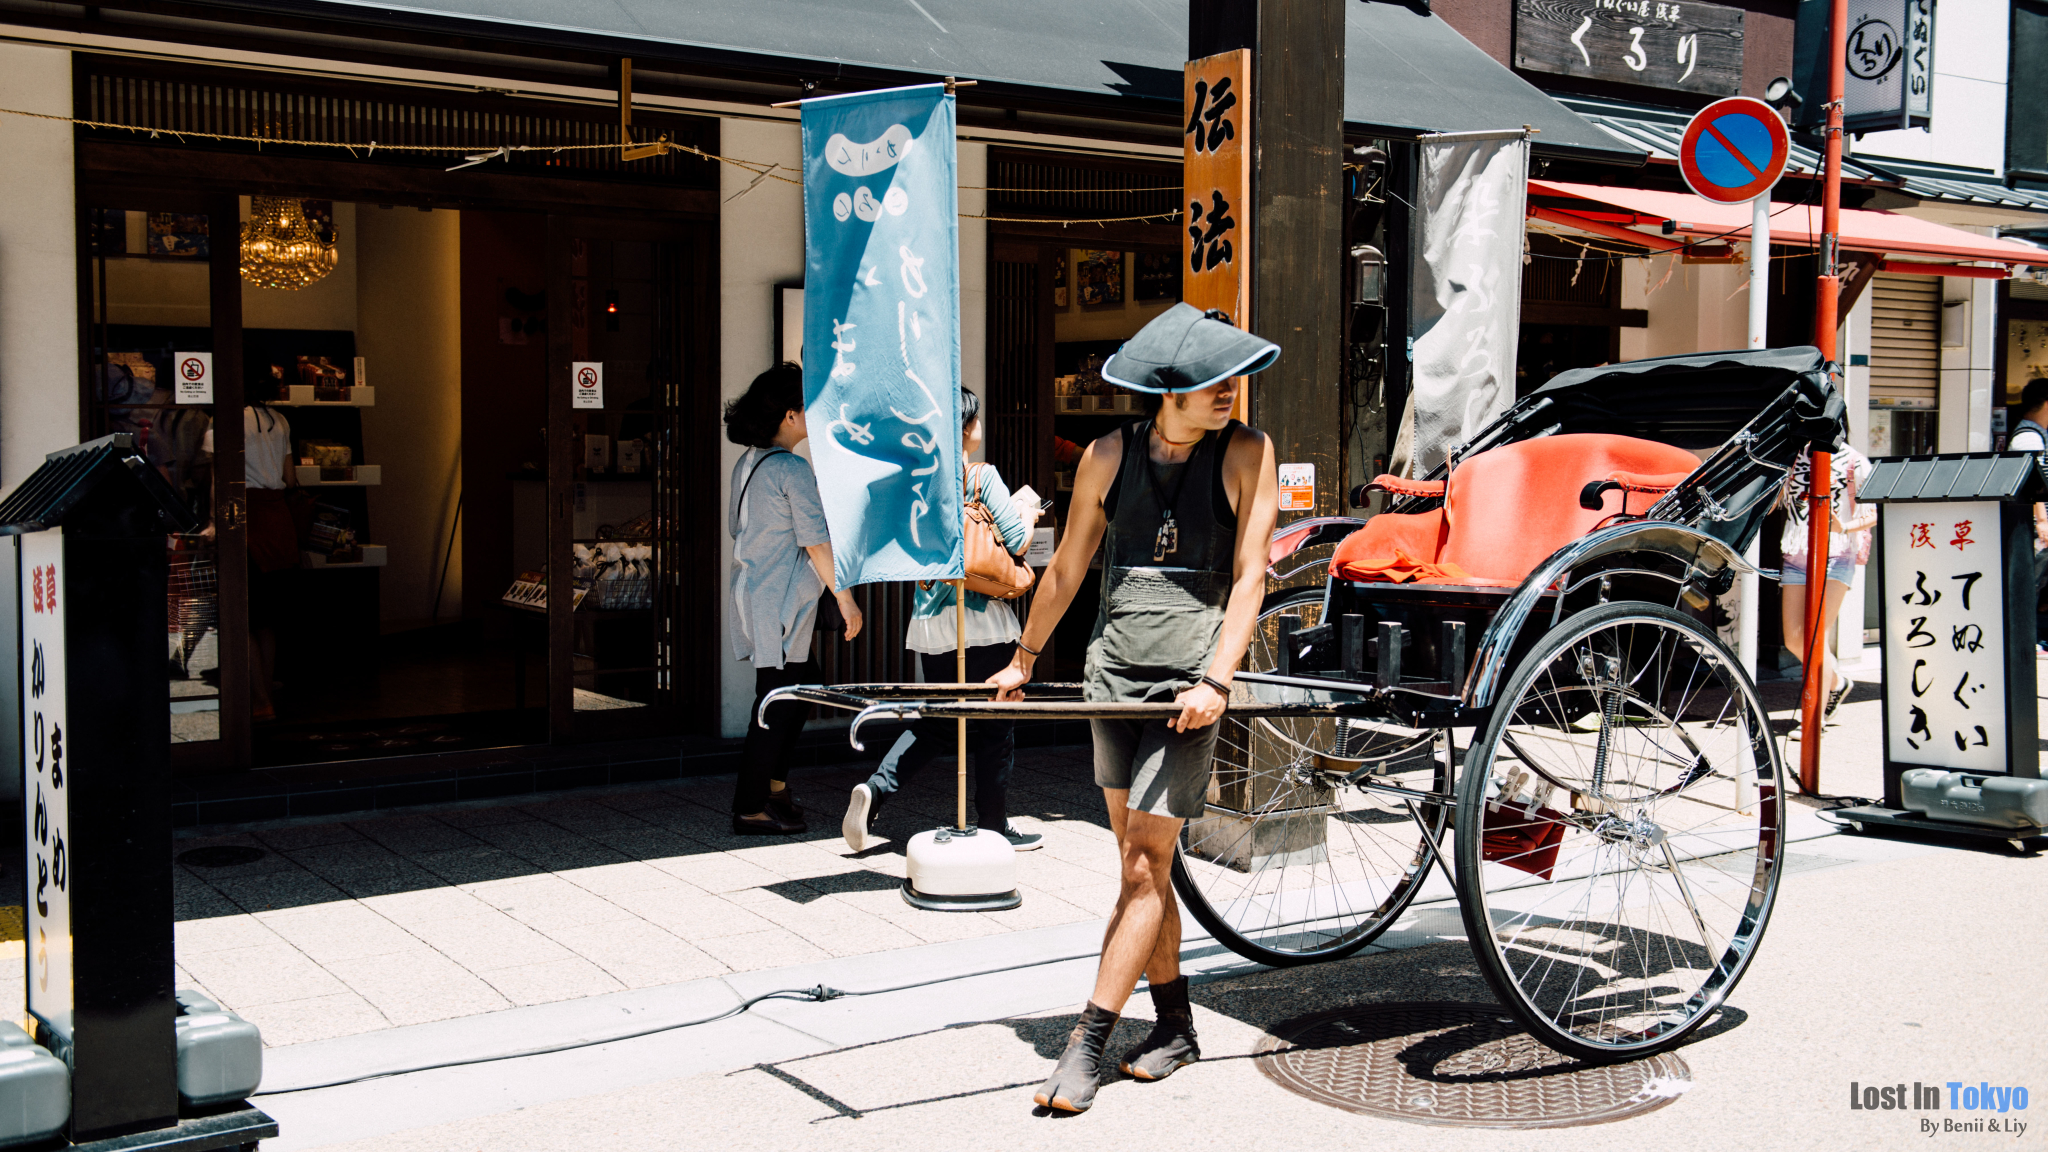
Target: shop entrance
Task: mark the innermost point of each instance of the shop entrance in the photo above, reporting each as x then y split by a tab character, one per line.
387	523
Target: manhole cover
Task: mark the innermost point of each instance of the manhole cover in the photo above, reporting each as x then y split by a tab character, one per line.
1461	1065
221	856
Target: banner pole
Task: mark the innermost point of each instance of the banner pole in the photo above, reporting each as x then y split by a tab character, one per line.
960	677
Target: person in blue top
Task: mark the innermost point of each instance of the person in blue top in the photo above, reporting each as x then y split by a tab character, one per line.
992	631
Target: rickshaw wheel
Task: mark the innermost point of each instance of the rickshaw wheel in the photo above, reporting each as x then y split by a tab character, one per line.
1330	737
1613	915
1288	864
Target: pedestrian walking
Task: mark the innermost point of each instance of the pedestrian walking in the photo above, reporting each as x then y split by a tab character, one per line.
1848	542
992	631
2032	436
1183	504
781	564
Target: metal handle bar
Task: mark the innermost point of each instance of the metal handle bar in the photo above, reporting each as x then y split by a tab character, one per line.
1064	710
854	697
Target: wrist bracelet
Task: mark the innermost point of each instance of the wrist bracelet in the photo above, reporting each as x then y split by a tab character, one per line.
1027	647
1218	685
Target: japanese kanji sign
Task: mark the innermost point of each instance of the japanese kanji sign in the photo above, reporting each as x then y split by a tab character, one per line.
1944	635
1216	180
46	809
882	326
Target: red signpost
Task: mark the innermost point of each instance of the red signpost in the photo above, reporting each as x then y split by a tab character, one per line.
1824	324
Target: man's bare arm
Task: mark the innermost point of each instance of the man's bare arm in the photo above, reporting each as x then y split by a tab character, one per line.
1085	525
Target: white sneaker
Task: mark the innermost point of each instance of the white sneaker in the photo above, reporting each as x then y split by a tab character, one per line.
855	826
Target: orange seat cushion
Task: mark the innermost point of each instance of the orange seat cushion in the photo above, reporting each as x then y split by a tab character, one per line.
1506	511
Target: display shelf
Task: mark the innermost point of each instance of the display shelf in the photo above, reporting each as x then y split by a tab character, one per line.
301	396
374	556
364	476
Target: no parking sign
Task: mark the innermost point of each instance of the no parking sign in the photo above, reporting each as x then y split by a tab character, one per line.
1734	150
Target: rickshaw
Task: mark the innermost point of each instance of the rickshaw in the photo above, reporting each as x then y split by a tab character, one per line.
1522	650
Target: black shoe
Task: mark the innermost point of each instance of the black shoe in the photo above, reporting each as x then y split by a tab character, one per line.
784	806
1172	1042
1836	697
769	823
1022	841
1071	1087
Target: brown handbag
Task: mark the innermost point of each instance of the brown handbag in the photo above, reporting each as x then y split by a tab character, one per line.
991	568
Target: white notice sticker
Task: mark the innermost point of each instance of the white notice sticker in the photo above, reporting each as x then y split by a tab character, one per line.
586	384
193	372
1297	487
1040	553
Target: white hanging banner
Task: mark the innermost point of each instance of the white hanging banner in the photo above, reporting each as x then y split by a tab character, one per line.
586	384
193	374
1464	304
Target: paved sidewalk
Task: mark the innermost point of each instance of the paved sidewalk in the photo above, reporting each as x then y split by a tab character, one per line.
352	925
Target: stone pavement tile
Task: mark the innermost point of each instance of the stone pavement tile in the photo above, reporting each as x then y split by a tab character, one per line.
268	862
314	1018
775	948
220	933
717	871
842	929
293	837
360	863
628	876
481	816
548	902
1039	910
476	865
415	987
342	931
640	955
411	909
580	815
1051	873
863	880
568	979
265	974
647	842
199	902
413	835
14	988
268	890
493	940
793	860
692	915
1097	900
939	927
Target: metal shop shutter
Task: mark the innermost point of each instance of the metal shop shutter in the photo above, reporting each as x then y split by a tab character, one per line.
1905	340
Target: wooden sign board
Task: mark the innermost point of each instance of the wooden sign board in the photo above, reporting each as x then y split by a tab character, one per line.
1216	178
1689	46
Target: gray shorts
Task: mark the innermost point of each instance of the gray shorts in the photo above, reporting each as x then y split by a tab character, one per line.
1166	772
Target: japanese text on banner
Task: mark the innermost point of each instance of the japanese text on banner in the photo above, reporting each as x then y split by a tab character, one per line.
45	800
1944	632
1216	175
882	331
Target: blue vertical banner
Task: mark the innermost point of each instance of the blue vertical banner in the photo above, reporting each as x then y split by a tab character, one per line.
882	331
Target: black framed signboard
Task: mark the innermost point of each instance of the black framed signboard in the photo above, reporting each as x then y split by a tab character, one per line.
1691	47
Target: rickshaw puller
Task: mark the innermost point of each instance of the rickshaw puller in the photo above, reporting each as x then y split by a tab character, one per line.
1184	504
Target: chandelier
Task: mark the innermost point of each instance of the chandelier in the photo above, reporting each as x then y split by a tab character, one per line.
281	249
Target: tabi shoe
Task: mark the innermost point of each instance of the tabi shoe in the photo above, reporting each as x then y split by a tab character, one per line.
783	804
1021	840
858	826
768	823
1172	1041
1071	1087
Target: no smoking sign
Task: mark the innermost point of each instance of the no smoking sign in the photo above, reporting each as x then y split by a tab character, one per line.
193	376
586	384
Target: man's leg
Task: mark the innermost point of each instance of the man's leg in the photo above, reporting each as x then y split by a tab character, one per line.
1143	937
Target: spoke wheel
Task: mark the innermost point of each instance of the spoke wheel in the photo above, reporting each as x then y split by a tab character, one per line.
1620	832
1290	865
1351	740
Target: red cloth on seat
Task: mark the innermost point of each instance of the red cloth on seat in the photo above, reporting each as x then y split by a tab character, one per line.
1403	487
1641	482
1506	511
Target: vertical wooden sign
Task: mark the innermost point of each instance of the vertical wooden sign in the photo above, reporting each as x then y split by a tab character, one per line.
1216	178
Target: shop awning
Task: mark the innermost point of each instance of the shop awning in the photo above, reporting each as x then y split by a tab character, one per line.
1608	211
1658	130
1406	70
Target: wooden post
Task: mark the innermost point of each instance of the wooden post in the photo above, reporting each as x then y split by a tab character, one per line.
960	677
1294	135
